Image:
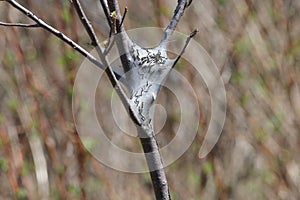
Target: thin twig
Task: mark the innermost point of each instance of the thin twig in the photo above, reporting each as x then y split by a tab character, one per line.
179	11
122	39
85	22
110	44
20	25
123	18
106	12
149	144
55	32
111	39
110	24
185	45
108	70
42	24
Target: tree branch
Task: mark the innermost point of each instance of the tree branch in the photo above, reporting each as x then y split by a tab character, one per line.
20	25
123	18
85	22
112	39
55	32
141	86
110	44
122	38
143	98
179	11
107	15
185	46
111	74
110	24
108	70
155	165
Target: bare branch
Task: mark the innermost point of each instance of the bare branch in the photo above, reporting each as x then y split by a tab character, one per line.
108	69
115	21
113	6
106	12
20	25
185	45
154	162
149	144
85	22
124	15
110	43
122	40
89	29
111	39
179	11
57	33
110	24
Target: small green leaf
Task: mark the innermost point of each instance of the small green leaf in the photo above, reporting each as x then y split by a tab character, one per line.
89	143
222	2
208	167
113	14
21	193
3	164
13	103
2	117
243	46
67	15
75	189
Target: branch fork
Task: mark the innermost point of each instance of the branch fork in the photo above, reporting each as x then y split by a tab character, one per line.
145	71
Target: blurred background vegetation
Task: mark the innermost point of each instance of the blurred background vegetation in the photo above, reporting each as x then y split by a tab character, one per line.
255	44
